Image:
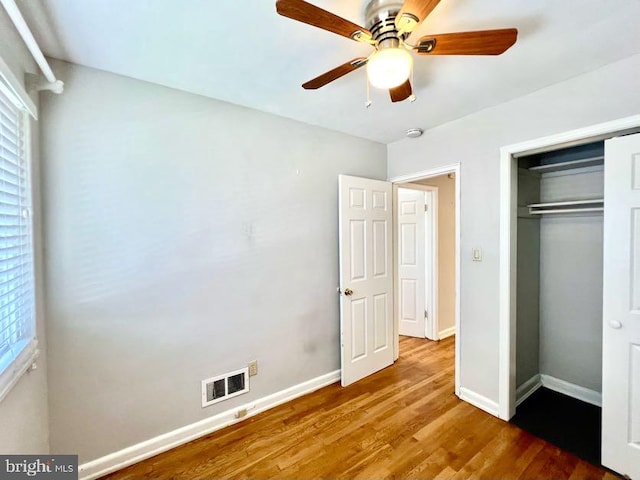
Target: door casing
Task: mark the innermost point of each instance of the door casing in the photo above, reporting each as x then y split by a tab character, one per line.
425	174
508	239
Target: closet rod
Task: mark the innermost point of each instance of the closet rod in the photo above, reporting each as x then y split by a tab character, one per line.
567	203
566	210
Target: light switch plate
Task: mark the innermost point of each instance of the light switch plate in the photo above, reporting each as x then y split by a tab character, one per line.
476	255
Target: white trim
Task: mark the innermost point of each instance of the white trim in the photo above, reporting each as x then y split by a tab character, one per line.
17	90
579	136
458	351
396	317
455	169
507	271
434	172
433	294
18	367
572	390
480	401
143	450
447	332
508	154
527	389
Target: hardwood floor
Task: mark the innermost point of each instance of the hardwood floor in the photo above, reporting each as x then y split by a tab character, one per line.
403	422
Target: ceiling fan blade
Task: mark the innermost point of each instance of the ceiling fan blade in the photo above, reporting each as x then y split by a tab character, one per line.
484	42
412	13
334	74
401	92
310	14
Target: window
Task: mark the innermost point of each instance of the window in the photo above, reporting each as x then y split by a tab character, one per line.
18	346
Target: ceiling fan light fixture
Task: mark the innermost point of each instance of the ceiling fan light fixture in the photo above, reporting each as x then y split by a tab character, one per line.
389	68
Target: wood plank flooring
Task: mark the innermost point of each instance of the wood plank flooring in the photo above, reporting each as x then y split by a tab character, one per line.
403	422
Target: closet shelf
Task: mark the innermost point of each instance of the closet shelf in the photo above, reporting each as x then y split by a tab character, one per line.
557	167
572	206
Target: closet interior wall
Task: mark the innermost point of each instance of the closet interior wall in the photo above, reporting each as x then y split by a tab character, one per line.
559	274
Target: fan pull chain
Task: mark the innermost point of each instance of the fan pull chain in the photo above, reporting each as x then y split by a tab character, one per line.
412	97
368	103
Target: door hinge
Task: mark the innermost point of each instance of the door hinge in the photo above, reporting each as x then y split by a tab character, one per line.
426	315
426	207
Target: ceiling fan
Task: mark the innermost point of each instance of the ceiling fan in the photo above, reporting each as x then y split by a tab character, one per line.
389	24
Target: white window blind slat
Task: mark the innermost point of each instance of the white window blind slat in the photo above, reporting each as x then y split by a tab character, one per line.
9	137
6	102
9	210
10	145
8	129
10	166
17	332
9	126
6	113
11	160
9	153
9	221
7	197
10	181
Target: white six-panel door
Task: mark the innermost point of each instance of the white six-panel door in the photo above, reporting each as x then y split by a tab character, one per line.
411	307
366	276
621	305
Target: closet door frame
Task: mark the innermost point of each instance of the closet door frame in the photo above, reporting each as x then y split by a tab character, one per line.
508	238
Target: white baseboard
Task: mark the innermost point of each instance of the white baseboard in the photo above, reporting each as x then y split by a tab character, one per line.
136	453
447	332
525	390
477	400
572	390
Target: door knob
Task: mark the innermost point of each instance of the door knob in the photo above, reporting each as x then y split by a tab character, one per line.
348	292
615	324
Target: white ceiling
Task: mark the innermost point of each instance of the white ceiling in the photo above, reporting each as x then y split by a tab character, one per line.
244	53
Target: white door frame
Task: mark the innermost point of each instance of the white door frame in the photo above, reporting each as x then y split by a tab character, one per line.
434	172
431	265
508	239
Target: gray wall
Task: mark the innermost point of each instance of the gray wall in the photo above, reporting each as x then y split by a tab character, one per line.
571	283
185	237
23	413
474	141
528	281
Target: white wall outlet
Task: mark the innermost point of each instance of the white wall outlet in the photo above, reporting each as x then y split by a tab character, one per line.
253	368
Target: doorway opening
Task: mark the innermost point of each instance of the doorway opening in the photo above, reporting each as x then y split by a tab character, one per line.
559	292
427	257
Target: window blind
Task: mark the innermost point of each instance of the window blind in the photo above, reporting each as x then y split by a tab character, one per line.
17	304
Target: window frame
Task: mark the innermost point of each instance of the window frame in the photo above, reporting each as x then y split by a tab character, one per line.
14	367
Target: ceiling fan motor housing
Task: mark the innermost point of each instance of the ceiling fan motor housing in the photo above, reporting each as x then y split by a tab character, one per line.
380	18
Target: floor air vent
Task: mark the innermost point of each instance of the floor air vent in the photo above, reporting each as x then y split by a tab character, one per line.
222	387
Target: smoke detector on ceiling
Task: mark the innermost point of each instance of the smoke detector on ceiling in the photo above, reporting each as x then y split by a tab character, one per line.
414	132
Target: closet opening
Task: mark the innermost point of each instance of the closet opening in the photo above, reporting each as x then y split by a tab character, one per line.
558	364
559	283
